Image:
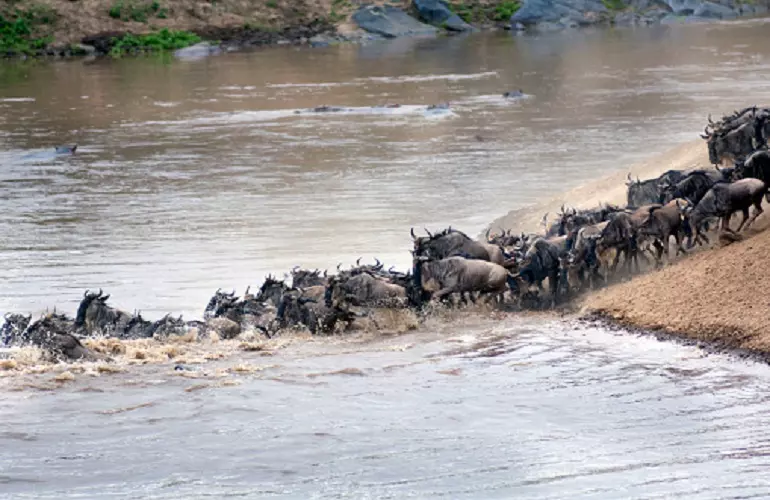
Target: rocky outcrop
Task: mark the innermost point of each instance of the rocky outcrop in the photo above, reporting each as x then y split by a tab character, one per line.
390	22
564	12
437	13
549	15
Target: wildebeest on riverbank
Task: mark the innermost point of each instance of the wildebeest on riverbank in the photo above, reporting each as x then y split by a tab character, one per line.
583	248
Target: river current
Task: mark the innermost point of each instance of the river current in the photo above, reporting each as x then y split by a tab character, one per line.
194	175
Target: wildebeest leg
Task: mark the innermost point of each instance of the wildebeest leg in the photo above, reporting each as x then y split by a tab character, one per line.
745	212
678	239
659	248
726	223
757	212
444	292
553	280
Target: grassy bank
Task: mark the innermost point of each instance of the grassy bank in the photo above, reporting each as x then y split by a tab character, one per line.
119	26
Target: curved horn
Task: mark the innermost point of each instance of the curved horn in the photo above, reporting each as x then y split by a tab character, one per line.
487	234
429	235
86	293
105	298
629	178
339	266
100	292
247	290
325	272
378	262
358	261
412	232
218	290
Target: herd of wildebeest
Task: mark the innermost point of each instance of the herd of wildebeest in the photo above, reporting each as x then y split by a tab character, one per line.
578	250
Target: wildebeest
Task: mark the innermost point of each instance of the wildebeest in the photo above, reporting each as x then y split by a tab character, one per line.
665	221
53	333
650	191
11	334
95	316
693	186
542	260
723	200
621	235
440	278
272	290
366	290
451	242
756	166
166	327
583	261
296	309
737	135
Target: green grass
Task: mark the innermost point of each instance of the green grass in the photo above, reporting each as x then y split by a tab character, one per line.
17	29
614	5
162	40
504	10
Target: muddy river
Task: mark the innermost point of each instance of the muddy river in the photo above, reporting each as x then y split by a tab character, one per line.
194	175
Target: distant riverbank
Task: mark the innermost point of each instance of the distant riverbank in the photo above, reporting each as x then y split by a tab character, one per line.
116	27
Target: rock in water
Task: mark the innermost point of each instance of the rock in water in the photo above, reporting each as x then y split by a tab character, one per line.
437	13
390	22
713	10
567	12
197	51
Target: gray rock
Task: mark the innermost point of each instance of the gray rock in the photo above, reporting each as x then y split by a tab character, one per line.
390	22
683	7
83	49
714	10
225	328
437	13
197	51
577	12
626	19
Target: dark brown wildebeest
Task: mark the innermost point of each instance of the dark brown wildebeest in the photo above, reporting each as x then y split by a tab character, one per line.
542	260
95	316
583	262
440	278
738	135
53	333
303	278
665	221
366	290
723	200
451	243
756	166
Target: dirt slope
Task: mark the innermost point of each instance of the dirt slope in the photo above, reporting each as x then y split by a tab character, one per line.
721	295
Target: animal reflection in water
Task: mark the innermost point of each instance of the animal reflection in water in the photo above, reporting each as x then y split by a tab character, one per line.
579	250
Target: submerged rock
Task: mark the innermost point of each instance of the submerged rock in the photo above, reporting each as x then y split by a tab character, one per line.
390	22
437	13
198	51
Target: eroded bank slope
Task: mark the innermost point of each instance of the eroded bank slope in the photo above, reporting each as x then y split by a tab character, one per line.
719	296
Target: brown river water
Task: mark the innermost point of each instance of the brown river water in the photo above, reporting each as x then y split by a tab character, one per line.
194	175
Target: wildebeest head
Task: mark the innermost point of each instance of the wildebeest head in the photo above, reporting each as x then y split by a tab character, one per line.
88	299
303	278
271	290
44	331
220	304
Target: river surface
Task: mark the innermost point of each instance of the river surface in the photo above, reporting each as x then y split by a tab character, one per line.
195	175
516	408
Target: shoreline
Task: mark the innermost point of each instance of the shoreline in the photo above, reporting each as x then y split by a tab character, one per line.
63	34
